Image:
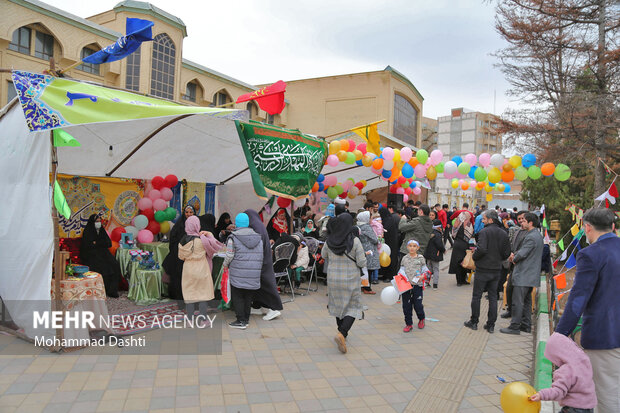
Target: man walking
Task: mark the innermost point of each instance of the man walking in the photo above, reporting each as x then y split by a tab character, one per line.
595	294
525	276
447	236
493	247
515	235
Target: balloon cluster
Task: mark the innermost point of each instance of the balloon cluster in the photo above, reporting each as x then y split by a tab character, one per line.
155	213
330	185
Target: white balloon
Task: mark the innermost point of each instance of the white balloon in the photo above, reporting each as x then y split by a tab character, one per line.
385	248
389	295
450	167
132	230
388	164
497	160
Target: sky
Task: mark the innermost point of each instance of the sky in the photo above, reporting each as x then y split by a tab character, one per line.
442	46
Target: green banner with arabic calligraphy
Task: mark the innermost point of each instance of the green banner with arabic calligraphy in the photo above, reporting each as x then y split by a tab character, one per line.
283	162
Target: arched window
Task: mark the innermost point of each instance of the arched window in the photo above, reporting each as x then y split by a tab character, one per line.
132	77
89	67
252	108
221	98
22	41
162	73
405	120
191	91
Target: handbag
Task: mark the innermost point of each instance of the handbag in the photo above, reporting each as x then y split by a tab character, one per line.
468	261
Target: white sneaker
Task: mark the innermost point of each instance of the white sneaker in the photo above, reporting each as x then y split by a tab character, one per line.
257	311
271	314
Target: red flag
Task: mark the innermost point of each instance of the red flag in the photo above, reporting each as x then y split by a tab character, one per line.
269	98
613	191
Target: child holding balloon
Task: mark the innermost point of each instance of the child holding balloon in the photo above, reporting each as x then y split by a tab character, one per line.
416	272
573	385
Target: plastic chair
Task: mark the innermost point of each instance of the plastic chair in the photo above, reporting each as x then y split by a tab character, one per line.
313	247
283	254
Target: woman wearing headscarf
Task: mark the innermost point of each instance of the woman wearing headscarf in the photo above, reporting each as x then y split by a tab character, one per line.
266	300
196	250
278	224
207	223
345	254
224	227
370	242
463	230
94	253
310	230
172	264
390	225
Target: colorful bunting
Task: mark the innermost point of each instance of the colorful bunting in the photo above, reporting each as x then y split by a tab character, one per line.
561	244
571	262
574	229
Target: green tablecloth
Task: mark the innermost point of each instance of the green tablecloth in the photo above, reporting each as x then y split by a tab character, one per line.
145	286
124	259
159	250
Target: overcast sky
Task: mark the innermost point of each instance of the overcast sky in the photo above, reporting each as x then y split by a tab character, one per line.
442	46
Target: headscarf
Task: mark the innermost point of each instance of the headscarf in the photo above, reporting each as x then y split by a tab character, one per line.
207	223
340	209
330	211
279	221
308	229
221	223
210	244
464	219
178	230
363	217
341	234
91	234
257	225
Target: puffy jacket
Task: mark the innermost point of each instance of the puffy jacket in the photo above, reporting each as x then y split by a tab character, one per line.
419	228
435	247
492	248
244	258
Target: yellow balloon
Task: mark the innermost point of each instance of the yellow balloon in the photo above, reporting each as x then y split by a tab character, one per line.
515	161
342	155
500	187
351	196
489	197
358	154
396	158
367	160
515	398
363	181
164	227
334	147
495	175
431	173
488	188
384	259
455	183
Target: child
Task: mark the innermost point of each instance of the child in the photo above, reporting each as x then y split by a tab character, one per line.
434	251
244	259
303	259
415	270
377	226
573	386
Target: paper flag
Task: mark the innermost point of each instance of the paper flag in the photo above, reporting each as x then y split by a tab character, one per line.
606	196
563	257
62	138
574	230
555	264
544	223
560	281
60	202
561	244
542	209
613	190
571	262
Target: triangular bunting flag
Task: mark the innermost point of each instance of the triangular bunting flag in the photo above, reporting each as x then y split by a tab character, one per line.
613	190
60	202
544	223
561	244
62	138
564	255
542	209
555	264
571	263
574	230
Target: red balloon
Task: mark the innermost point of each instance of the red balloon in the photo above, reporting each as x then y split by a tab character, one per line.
157	182
351	145
154	227
149	213
359	186
116	233
408	191
401	180
393	189
283	202
171	181
343	195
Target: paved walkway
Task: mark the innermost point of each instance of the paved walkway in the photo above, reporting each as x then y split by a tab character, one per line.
292	364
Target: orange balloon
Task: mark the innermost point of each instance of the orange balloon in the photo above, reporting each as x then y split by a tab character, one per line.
480	185
547	169
342	155
114	247
315	187
344	145
507	167
465	186
413	162
377	163
508	176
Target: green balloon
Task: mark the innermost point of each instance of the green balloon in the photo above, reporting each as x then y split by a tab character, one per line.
171	213
521	173
421	156
439	167
562	172
405	184
464	168
534	172
339	189
350	158
480	175
161	216
332	192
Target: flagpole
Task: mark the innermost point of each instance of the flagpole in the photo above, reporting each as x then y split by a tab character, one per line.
70	67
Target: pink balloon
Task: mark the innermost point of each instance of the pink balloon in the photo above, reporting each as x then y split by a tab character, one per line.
400	190
330	180
405	154
388	154
154	194
332	160
166	194
145	236
376	171
470	158
436	157
449	176
484	159
145	203
405	198
159	205
417	191
362	147
420	171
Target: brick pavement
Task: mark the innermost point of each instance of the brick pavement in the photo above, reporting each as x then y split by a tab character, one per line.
291	364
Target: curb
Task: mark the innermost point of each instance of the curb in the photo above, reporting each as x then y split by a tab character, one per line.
543	369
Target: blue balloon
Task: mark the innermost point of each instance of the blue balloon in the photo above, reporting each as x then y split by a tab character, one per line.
386	173
491	184
321	186
506	188
320	178
359	163
413	184
528	160
457	160
407	171
472	171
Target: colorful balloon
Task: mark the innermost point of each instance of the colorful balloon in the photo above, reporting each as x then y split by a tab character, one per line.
420	171
161	216
350	158
534	172
471	159
508	176
407	171
480	175
562	172
507	188
367	160
141	222
166	193
406	154
116	233
464	168
547	169
436	157
457	160
145	236
389	295
145	203
489	197
344	145
160	204
439	167
454	184
494	175
497	160
528	160
431	173
334	147
515	161
332	192
515	398
388	164
421	156
157	182
154	194
484	159
171	213
132	230
521	173
332	160
153	227
450	167
384	259
164	227
388	153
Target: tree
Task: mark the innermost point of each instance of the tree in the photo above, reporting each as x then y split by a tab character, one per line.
562	61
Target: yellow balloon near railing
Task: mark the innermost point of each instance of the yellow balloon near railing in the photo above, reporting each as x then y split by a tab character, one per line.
515	398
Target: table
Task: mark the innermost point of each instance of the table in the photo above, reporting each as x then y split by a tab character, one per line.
80	294
124	259
145	286
159	249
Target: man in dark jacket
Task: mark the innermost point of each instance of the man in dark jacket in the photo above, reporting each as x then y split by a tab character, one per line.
419	228
493	247
434	252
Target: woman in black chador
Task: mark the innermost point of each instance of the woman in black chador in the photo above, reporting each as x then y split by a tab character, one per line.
94	253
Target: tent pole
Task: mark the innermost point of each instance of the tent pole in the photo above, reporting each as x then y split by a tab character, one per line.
290	227
234	176
155	132
58	270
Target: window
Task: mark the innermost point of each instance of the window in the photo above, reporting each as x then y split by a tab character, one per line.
220	98
11	92
271	119
405	120
132	77
162	67
21	40
190	92
44	46
252	110
88	67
